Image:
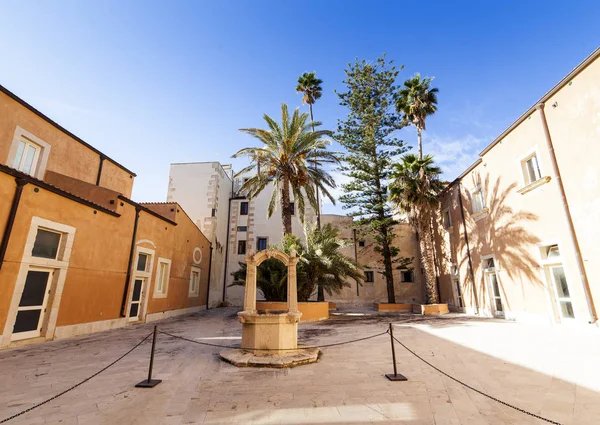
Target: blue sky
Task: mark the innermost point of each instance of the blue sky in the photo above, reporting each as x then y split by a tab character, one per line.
150	83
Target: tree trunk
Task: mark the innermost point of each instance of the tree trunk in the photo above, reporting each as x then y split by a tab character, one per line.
420	143
427	260
387	263
286	213
320	291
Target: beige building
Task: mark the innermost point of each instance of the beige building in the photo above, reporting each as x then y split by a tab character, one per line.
520	228
408	284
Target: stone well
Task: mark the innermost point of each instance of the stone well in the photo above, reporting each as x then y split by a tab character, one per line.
270	338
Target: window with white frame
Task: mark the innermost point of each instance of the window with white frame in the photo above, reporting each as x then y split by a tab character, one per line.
163	271
477	200
531	169
28	153
195	281
27	156
47	244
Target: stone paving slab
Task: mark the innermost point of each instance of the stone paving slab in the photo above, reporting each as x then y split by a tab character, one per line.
553	372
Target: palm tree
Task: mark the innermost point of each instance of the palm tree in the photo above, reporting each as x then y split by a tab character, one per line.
321	263
283	161
416	101
310	86
414	189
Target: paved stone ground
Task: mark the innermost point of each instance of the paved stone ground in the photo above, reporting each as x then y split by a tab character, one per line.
551	372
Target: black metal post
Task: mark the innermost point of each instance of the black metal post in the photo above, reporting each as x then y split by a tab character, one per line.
150	383
396	376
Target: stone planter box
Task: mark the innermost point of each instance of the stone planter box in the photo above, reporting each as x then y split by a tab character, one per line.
332	306
430	309
393	307
311	311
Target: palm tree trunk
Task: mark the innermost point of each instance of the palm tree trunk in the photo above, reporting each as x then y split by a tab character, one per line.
320	291
420	143
286	213
427	260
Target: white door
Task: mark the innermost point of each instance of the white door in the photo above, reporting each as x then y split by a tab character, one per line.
561	289
32	306
137	293
496	298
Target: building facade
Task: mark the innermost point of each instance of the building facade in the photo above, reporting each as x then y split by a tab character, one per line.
77	255
519	229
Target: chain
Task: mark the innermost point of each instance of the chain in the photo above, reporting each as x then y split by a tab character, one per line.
76	385
274	349
475	389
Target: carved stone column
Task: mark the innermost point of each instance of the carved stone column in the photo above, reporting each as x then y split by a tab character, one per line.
250	293
292	289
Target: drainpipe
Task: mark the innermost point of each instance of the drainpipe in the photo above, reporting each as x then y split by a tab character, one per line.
462	215
209	275
129	263
11	218
355	258
102	158
567	211
227	238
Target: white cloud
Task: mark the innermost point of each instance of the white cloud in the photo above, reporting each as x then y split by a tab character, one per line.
453	154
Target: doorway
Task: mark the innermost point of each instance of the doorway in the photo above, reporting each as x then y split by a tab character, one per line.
136	299
32	305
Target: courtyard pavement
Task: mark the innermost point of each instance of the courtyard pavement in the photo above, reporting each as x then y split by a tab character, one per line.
552	372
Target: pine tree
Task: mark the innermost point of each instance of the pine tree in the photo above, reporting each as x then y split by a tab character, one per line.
367	134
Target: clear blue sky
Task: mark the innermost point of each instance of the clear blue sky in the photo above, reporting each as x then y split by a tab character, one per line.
150	83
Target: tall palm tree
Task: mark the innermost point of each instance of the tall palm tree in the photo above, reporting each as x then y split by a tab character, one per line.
283	161
416	101
414	189
310	86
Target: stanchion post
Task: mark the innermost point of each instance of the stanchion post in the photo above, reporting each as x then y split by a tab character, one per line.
150	383
396	376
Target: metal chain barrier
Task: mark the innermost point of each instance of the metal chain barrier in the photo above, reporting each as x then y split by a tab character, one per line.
273	349
475	389
76	385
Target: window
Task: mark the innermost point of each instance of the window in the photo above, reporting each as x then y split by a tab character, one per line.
242	228
454	271
241	247
142	263
161	285
447	218
361	243
478	202
531	169
46	244
562	292
292	208
489	264
408	276
552	252
213	212
244	208
261	244
194	282
27	156
369	277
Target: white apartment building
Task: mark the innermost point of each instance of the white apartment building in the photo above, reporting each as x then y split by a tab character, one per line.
233	223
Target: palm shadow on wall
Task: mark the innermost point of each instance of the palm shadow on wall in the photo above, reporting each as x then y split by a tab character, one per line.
504	233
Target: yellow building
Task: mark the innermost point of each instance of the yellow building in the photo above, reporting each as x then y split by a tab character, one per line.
520	228
76	254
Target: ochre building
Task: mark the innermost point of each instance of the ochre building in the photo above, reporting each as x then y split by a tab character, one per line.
77	255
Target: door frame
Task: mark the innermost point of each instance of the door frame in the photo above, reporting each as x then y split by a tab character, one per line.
60	267
146	276
487	281
36	333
